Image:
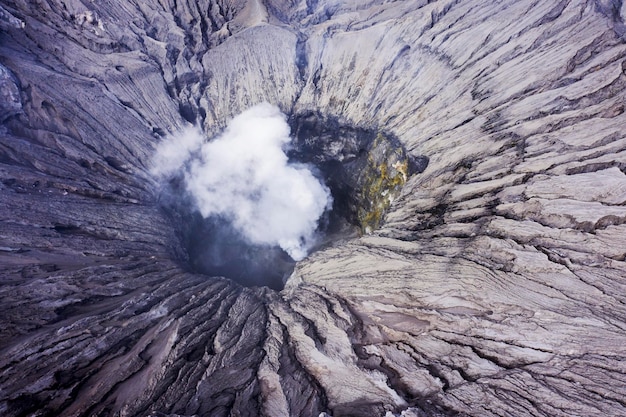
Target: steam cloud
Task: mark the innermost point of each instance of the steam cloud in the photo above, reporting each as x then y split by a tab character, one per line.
244	176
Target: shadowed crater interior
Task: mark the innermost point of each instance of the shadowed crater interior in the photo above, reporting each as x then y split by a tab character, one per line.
364	169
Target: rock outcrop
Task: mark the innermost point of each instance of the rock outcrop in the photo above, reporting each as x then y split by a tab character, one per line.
495	286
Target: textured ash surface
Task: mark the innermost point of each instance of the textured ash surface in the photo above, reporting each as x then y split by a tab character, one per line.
496	287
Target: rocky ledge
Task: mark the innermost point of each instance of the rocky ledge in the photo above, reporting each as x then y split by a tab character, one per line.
494	286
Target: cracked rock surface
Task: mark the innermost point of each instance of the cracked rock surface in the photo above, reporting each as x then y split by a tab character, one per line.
496	285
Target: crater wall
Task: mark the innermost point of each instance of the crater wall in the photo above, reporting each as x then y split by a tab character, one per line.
494	286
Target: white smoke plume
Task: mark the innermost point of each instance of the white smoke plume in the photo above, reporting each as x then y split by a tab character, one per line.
244	176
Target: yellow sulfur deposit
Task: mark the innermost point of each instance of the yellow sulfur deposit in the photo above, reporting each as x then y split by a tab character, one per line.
382	179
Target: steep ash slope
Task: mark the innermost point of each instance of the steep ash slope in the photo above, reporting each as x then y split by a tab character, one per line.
494	287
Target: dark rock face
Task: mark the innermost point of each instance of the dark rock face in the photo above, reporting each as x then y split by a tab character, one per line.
494	286
365	169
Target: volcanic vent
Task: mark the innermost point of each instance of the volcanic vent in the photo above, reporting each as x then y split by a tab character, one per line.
251	202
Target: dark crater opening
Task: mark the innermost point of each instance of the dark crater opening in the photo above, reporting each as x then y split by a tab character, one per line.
364	170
